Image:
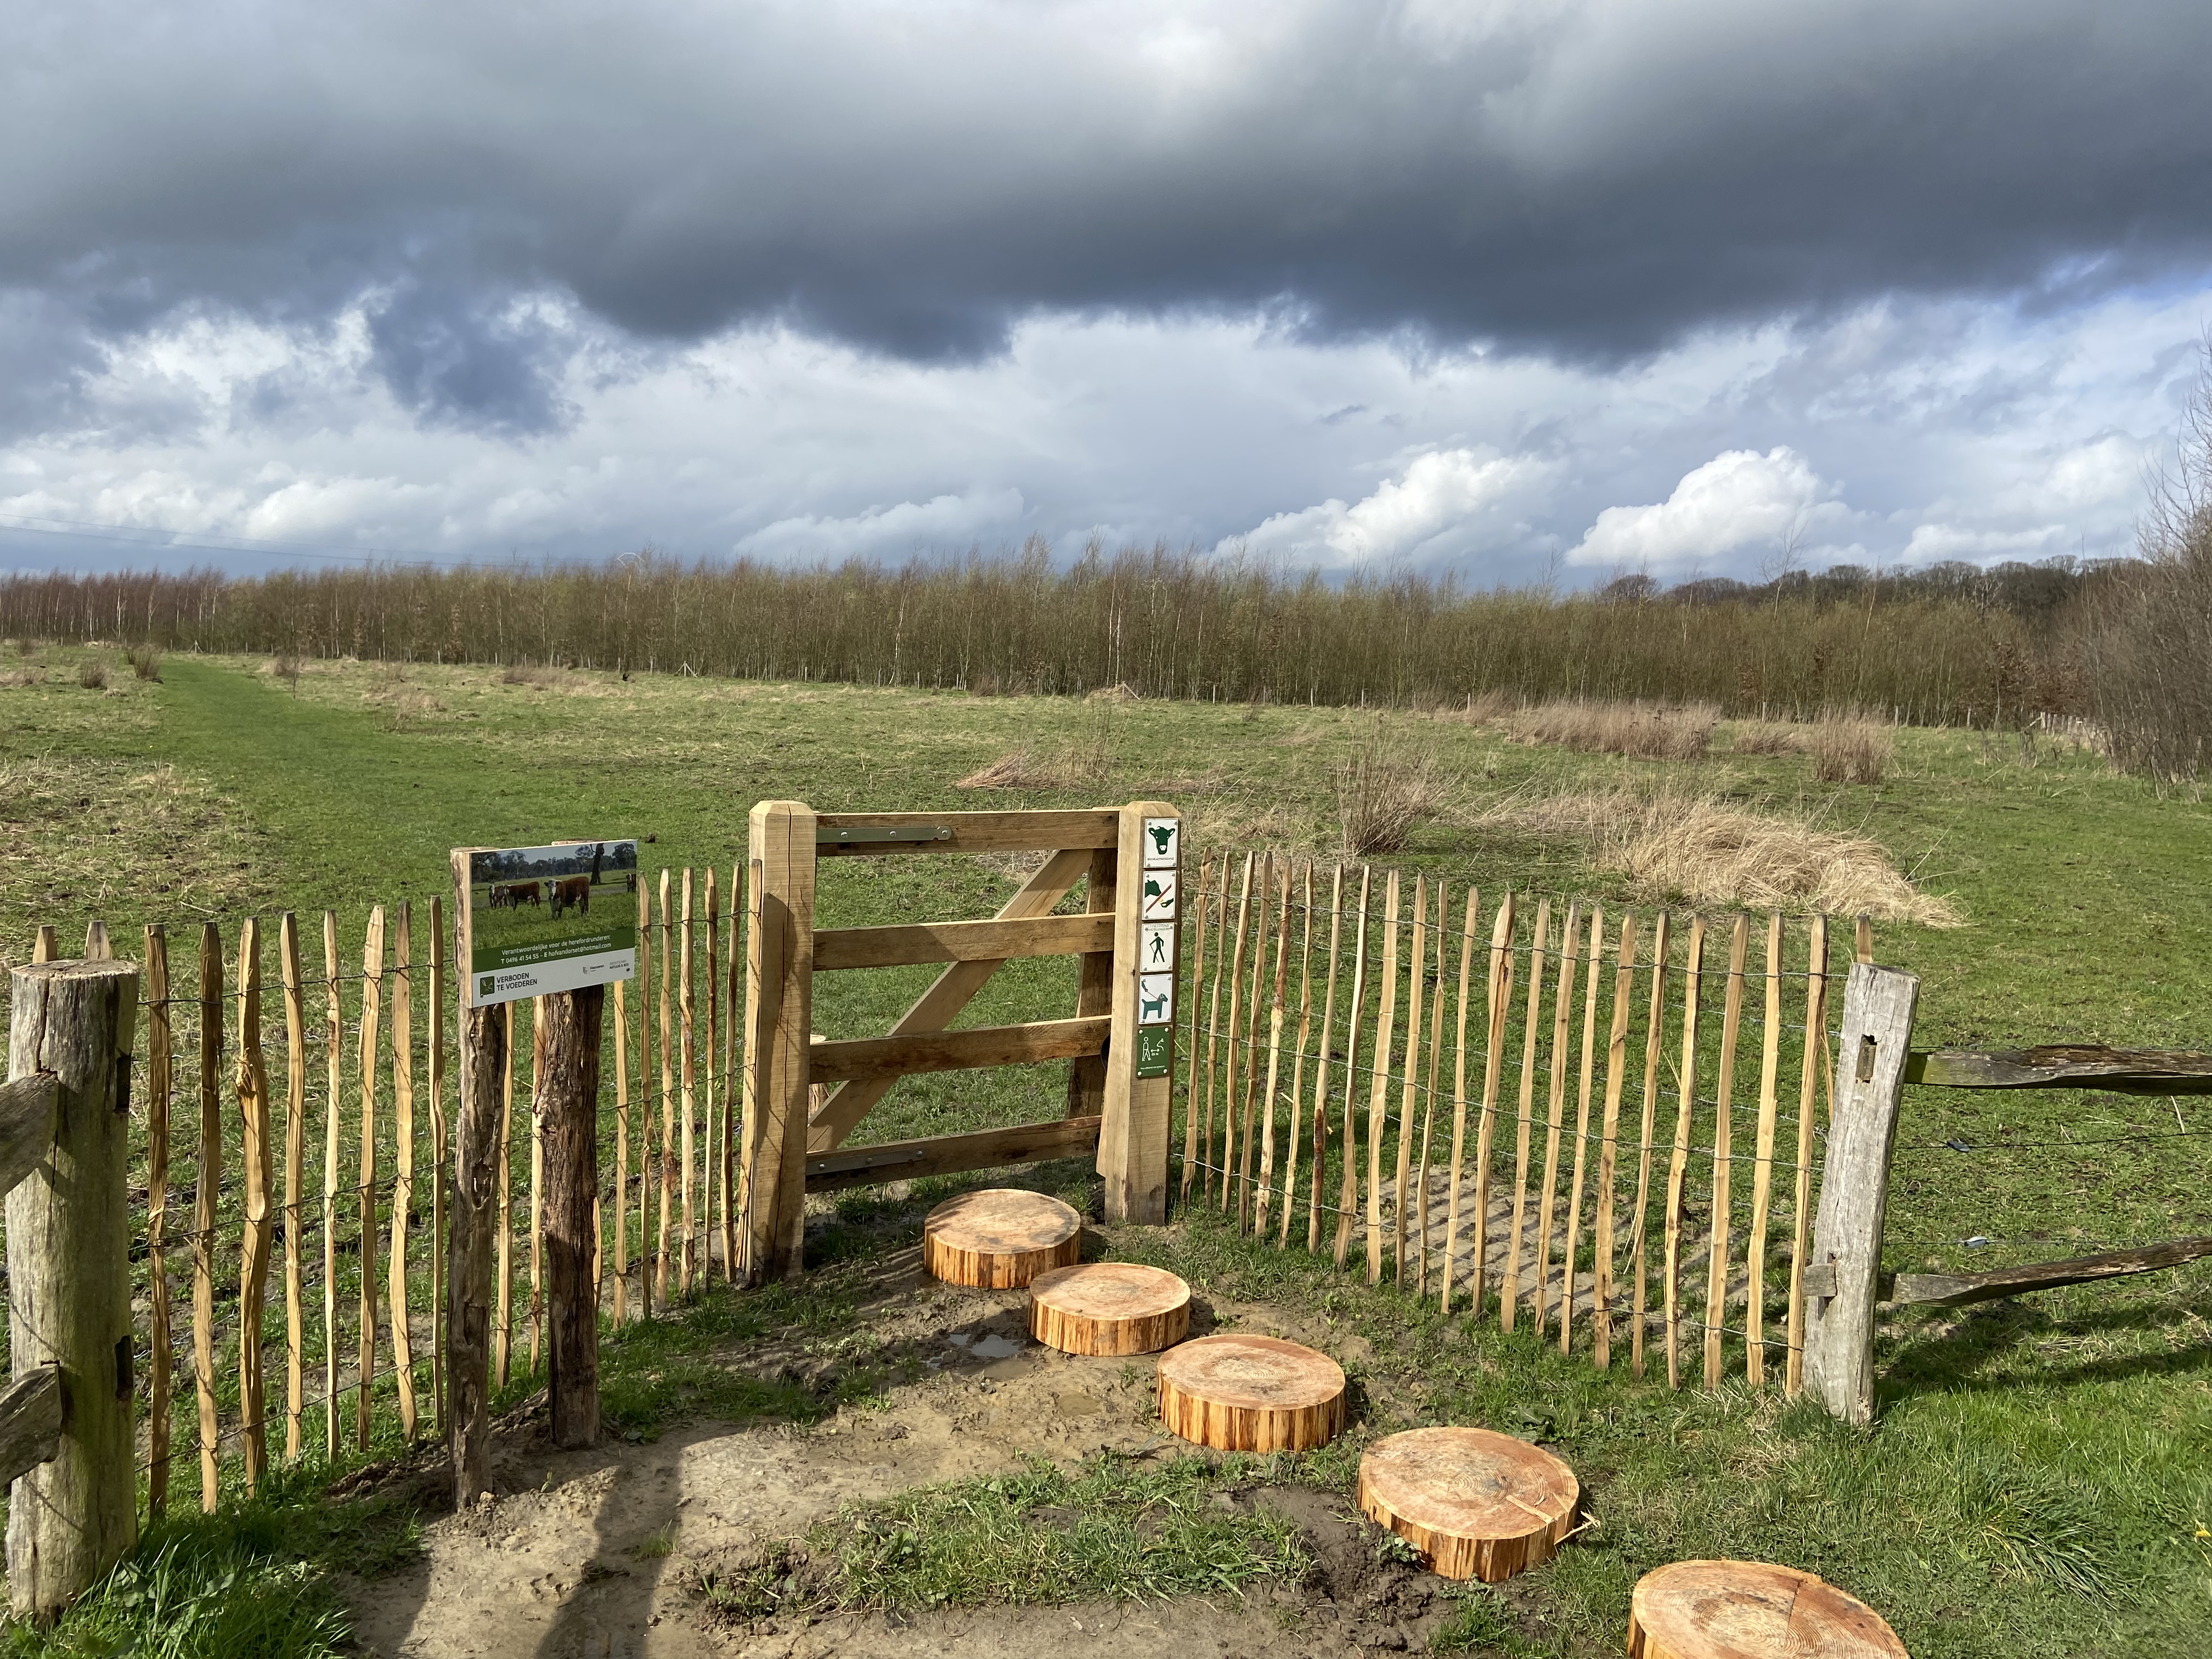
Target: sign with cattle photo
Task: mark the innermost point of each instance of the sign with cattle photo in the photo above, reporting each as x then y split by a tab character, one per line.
546	918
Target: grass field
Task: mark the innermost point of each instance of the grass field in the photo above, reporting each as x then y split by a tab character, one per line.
2038	1484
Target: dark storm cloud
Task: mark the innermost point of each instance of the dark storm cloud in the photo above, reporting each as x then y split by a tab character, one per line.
1585	180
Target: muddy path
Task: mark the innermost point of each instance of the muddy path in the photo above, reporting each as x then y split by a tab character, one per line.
599	1554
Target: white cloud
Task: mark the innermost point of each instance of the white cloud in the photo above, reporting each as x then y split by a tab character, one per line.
1438	493
889	533
1737	500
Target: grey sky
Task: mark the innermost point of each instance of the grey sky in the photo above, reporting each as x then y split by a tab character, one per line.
1426	282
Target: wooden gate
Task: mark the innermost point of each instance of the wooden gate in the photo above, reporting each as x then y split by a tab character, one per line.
803	1098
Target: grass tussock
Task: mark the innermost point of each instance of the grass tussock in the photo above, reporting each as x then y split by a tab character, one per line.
1851	751
145	662
1708	851
1768	738
1025	767
1384	788
1641	731
93	675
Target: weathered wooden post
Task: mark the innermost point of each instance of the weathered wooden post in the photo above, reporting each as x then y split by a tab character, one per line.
779	1025
66	1422
568	1094
1841	1282
1133	1141
475	1208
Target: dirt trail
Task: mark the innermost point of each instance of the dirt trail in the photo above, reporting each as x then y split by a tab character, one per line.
591	1555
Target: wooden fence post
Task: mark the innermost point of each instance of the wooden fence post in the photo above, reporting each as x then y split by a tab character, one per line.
779	1026
68	1301
1133	1141
1877	1035
569	1096
479	1156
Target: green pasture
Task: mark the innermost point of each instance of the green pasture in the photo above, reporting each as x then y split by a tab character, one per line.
2038	1482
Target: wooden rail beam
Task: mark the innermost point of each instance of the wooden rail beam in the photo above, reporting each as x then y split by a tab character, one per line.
30	1421
961	941
1960	1290
27	1108
862	1059
985	1149
2065	1065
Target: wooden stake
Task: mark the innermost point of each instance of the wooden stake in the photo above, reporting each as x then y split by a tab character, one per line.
46	947
1298	1054
1723	1147
72	1517
1436	1073
1190	1152
503	1326
203	1203
779	1026
372	1003
1459	1097
440	1150
1275	1016
1654	1022
1253	997
569	1086
1497	995
687	1265
1378	1098
1560	1059
160	1086
1235	993
403	1183
708	1195
1816	1034
1582	1128
1409	1085
537	1181
1320	1066
622	1150
480	1160
1762	1176
251	1080
1864	944
668	1069
1616	1065
732	1093
1677	1163
1347	1201
333	1119
1509	1291
645	1099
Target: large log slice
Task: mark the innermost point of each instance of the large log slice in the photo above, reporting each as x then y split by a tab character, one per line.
1104	1308
1000	1238
1476	1503
1751	1610
1251	1393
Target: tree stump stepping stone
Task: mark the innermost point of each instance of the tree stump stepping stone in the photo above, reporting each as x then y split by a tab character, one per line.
1751	1610
1000	1238
1109	1307
1251	1393
1475	1503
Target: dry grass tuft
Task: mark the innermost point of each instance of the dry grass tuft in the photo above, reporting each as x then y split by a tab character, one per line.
1124	692
1712	852
1384	789
93	676
1026	769
1642	730
1769	738
285	667
35	675
1851	751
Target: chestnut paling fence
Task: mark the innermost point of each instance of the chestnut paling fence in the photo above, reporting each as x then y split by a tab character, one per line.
290	1104
1600	1126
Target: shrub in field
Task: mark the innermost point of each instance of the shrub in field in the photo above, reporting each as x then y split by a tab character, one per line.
145	662
1645	731
1769	738
1848	751
93	676
1384	789
286	668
